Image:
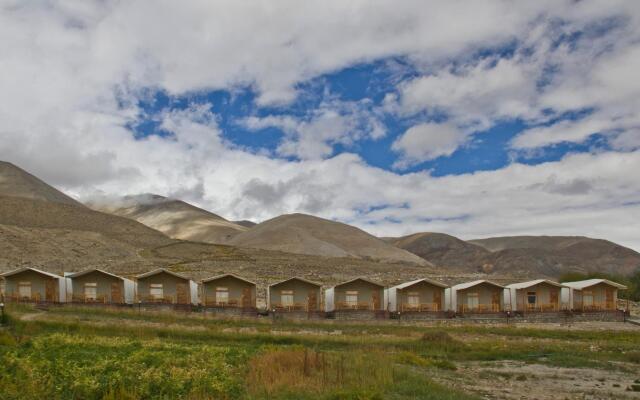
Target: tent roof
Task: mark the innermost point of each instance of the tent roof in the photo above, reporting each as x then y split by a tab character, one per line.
159	271
468	285
579	285
411	283
19	270
225	276
359	279
528	284
297	279
88	271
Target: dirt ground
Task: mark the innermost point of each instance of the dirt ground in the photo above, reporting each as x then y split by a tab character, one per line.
518	380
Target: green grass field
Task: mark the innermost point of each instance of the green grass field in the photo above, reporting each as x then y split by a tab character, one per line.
82	353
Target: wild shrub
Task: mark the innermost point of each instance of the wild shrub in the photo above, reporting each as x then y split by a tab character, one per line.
634	357
305	370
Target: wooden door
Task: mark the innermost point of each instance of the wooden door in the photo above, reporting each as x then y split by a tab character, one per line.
50	290
553	298
376	299
182	293
437	299
312	301
495	301
246	298
116	292
608	293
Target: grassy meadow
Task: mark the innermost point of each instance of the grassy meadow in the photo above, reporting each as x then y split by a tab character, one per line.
85	353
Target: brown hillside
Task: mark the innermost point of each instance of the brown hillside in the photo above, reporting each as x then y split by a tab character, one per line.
442	249
26	213
175	218
306	234
525	256
16	182
555	255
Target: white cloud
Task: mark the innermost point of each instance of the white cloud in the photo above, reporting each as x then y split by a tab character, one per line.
575	131
474	95
314	135
427	141
71	74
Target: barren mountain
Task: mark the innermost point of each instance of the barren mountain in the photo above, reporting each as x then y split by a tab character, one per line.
57	234
16	182
175	218
42	226
554	255
306	234
532	256
442	249
245	223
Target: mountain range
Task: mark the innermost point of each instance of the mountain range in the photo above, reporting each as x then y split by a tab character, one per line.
40	225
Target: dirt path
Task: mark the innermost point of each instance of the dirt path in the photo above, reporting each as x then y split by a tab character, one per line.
518	380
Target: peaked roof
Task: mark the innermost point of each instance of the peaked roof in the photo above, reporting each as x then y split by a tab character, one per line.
297	279
159	271
467	285
88	271
359	279
225	276
528	284
411	283
579	285
19	270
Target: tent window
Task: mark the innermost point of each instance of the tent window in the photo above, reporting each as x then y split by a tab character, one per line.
90	291
24	290
156	291
413	299
587	298
473	301
222	295
531	297
286	298
351	298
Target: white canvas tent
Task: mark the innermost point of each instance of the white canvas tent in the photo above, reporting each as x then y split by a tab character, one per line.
451	294
129	285
391	294
61	283
511	292
572	293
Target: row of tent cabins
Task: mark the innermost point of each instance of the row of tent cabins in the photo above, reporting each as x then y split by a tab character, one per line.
300	295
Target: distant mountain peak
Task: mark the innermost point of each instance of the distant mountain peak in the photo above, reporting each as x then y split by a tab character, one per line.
307	234
16	182
173	217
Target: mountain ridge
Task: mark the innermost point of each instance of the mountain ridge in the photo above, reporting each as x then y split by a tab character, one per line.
173	217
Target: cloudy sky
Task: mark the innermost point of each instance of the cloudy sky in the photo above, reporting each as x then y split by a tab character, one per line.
476	118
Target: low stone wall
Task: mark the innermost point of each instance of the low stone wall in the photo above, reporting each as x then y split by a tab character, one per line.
422	316
569	317
358	315
482	316
230	311
165	307
276	315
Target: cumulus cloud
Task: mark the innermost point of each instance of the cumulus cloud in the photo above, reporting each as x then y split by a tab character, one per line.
427	141
313	136
474	95
72	75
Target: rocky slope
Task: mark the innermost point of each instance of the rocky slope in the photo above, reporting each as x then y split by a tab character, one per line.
549	256
306	234
175	218
442	249
16	182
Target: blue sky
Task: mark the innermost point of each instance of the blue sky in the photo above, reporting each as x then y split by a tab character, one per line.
477	119
488	149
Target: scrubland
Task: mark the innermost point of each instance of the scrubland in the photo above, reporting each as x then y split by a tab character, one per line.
90	353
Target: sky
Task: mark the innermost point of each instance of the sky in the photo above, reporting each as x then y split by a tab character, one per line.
477	119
